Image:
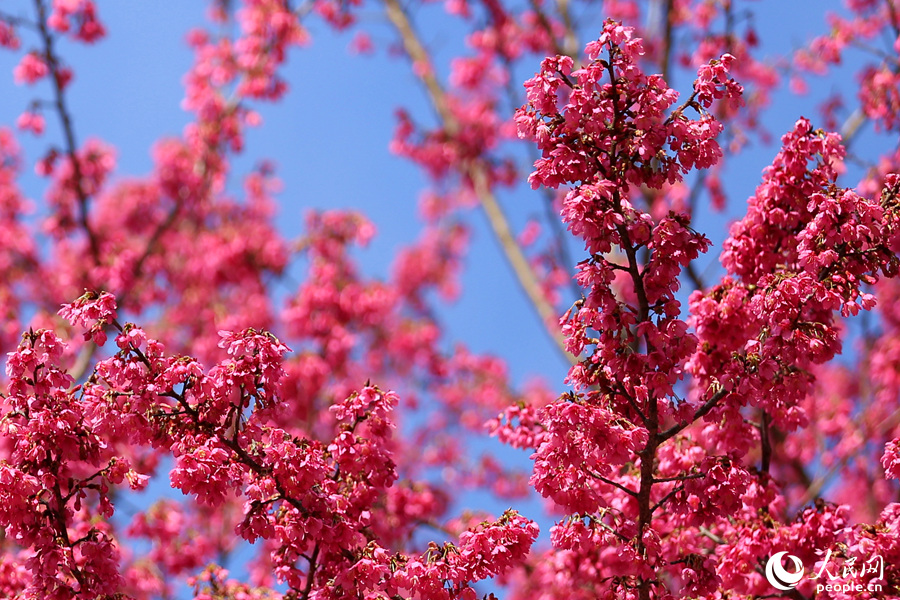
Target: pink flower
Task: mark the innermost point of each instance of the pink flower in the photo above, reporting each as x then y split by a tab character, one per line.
8	38
890	460
30	121
30	69
93	310
362	44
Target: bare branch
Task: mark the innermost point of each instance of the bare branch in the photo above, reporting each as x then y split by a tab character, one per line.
68	129
615	484
476	172
700	413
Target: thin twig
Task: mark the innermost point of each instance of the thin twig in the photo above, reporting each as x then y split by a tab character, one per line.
311	573
765	440
68	129
557	229
87	351
675	490
545	24
701	412
615	484
679	478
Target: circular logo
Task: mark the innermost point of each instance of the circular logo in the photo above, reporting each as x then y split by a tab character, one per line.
778	577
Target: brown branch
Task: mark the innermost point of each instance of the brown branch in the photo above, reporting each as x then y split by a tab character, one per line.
476	172
701	412
59	519
416	51
895	21
87	351
679	478
518	261
68	129
667	40
814	487
645	509
313	560
557	228
852	126
812	491
16	21
695	277
631	402
615	484
675	490
634	270
709	534
544	22
648	454
570	37
765	440
858	118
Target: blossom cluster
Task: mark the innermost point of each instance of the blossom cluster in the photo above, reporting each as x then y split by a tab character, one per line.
654	446
313	503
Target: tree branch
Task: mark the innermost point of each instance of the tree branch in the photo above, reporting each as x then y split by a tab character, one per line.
765	441
68	129
667	40
615	484
476	172
701	412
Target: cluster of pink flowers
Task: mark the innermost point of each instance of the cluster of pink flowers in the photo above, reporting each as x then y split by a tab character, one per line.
94	312
628	450
31	69
58	475
311	501
78	17
592	123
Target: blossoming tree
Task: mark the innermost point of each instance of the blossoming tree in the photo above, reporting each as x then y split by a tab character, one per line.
707	425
